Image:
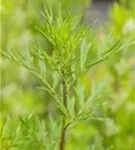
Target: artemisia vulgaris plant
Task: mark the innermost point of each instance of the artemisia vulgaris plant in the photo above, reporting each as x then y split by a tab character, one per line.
71	57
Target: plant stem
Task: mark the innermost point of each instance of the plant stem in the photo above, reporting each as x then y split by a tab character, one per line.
63	130
63	134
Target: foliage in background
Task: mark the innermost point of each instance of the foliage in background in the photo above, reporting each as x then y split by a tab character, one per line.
20	95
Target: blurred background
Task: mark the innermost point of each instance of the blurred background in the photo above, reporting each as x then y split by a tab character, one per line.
18	92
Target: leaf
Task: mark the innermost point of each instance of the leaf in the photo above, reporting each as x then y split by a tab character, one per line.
45	35
71	106
80	91
96	91
55	79
115	48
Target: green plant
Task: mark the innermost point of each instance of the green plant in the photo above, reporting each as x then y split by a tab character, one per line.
68	61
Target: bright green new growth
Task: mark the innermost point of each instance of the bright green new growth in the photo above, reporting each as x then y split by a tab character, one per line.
67	61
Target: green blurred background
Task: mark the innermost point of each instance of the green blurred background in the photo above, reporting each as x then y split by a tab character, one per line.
18	89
